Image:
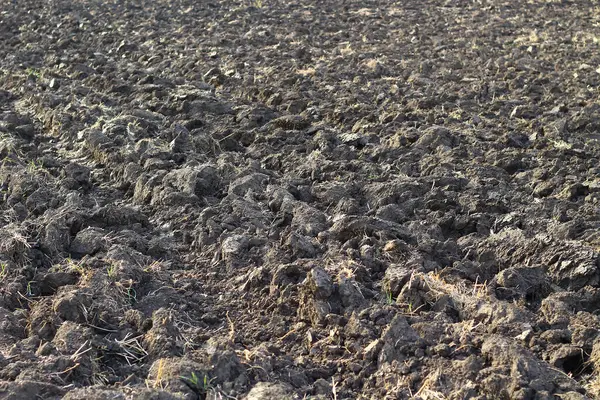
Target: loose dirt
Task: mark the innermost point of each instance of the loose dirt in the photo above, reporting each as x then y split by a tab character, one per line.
283	200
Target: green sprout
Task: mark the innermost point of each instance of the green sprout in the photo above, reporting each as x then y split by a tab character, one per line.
33	166
111	270
33	72
201	385
3	271
132	295
389	297
75	266
194	379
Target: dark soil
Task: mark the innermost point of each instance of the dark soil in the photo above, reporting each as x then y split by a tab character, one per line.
327	200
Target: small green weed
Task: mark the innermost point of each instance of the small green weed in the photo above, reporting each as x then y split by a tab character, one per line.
194	380
132	295
3	271
33	72
111	270
34	166
76	266
389	297
197	384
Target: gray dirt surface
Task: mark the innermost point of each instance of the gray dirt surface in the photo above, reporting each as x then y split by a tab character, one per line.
332	199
